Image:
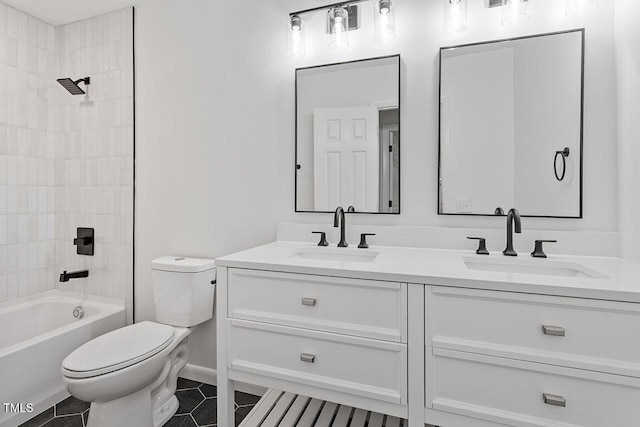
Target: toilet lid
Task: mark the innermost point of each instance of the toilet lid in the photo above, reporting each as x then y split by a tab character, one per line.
118	349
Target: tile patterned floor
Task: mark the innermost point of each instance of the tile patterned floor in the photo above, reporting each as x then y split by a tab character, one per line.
197	408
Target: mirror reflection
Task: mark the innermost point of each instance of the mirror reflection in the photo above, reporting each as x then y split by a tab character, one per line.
348	136
511	127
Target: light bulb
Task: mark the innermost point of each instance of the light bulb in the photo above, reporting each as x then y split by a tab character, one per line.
295	37
339	38
455	15
384	6
384	22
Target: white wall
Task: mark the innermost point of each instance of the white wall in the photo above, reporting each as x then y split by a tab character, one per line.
215	123
214	143
628	63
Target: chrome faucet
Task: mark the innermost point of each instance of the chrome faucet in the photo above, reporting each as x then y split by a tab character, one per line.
513	217
337	217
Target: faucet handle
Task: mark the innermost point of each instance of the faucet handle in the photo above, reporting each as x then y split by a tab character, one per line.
363	240
323	238
538	252
482	246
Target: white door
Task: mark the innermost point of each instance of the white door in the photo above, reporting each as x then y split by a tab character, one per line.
346	158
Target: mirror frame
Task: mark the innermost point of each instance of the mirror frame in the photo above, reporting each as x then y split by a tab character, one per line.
582	71
297	165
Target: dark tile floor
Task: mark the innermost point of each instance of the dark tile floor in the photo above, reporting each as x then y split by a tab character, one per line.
197	408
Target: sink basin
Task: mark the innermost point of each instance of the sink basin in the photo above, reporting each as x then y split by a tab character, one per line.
336	254
537	267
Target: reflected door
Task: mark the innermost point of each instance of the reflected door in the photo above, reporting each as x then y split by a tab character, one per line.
346	158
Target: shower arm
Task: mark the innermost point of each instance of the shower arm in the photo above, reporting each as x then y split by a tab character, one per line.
86	81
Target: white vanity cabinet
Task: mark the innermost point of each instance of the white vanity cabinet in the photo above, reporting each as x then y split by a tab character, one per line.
531	360
417	335
332	338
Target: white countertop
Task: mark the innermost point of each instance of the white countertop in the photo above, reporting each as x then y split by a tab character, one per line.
621	280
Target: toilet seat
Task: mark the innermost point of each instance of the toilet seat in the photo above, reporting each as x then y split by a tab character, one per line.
118	349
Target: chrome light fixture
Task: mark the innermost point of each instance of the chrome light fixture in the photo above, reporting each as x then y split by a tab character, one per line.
295	37
578	7
514	12
338	18
455	15
383	22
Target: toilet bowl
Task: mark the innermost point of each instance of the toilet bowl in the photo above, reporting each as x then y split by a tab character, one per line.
130	375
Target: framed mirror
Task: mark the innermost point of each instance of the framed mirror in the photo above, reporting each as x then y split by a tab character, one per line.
348	137
511	127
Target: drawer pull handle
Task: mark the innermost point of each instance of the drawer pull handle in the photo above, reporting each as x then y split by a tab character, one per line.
308	358
551	399
311	302
556	331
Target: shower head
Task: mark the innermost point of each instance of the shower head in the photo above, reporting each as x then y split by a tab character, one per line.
72	86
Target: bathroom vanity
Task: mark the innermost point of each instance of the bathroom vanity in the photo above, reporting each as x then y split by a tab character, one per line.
441	337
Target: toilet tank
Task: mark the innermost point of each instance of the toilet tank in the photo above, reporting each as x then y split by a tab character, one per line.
183	290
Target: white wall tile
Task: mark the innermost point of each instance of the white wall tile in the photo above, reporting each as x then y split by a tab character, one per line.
12	22
3	235
3	18
65	161
3	286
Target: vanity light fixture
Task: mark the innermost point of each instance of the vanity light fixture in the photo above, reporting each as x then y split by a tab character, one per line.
384	22
514	12
295	37
455	15
578	7
338	21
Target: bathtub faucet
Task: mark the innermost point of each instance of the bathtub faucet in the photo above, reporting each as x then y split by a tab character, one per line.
64	277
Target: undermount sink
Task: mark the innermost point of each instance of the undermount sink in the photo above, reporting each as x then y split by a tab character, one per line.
537	267
336	254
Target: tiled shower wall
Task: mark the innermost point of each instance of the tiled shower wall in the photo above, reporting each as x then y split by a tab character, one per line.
66	161
27	140
94	154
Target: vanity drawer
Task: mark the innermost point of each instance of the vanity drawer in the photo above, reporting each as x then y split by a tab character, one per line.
364	308
580	333
513	392
363	367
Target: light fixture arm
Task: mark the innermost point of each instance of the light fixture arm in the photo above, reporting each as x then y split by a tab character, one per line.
345	4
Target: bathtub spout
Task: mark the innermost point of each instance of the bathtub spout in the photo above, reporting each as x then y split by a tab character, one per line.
64	277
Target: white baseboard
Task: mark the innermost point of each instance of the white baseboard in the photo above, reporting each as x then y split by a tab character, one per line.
199	374
210	376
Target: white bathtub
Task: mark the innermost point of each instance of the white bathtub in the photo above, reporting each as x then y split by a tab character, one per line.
36	334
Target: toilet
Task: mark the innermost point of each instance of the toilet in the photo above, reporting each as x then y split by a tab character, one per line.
130	375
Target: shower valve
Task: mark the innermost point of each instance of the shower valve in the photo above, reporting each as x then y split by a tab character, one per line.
84	241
